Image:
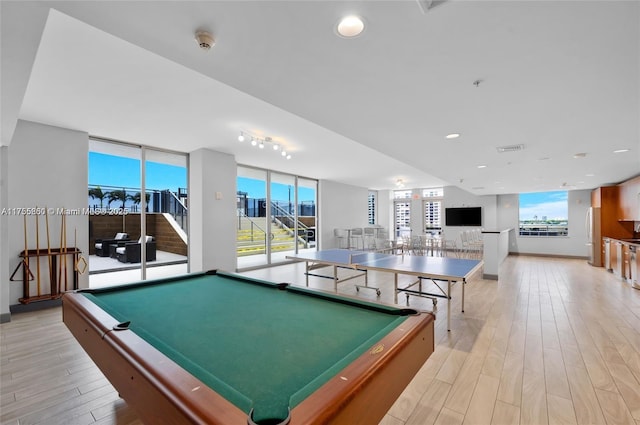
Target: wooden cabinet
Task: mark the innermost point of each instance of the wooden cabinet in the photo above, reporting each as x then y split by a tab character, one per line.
608	200
630	199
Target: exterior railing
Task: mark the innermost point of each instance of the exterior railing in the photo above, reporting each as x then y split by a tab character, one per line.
543	229
129	198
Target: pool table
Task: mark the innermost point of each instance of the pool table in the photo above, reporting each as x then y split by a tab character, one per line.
221	348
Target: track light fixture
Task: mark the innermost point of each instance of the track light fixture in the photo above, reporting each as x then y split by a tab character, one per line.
261	142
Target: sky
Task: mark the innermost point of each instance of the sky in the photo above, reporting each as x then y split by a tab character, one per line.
158	176
163	176
553	205
279	192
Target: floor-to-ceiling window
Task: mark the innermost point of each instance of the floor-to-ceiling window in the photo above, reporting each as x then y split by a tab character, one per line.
372	207
276	215
306	213
402	213
432	205
138	213
166	218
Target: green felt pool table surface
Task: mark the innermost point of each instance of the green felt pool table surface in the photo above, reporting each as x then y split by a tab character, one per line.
264	347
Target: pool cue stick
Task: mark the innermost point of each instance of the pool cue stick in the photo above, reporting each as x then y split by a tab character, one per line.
38	253
25	260
52	274
61	256
64	247
75	250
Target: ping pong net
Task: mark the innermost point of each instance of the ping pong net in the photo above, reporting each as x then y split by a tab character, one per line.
364	257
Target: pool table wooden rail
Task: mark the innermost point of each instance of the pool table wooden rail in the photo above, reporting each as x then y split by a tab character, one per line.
162	392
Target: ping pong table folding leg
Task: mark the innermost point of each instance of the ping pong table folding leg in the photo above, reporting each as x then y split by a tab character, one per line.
395	288
449	305
464	282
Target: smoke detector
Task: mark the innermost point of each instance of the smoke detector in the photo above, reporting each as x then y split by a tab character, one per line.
205	40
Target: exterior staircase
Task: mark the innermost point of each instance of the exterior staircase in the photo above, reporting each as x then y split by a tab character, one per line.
251	237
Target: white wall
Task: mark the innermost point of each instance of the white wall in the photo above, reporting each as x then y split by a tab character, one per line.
340	206
47	167
500	212
212	211
385	211
456	197
572	245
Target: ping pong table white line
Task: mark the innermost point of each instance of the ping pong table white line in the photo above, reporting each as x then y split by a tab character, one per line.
364	268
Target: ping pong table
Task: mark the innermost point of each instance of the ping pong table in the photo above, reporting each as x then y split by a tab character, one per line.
435	269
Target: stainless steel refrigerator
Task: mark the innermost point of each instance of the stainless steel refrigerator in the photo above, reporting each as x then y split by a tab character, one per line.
594	237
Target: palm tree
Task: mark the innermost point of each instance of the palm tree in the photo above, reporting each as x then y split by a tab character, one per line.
97	193
117	195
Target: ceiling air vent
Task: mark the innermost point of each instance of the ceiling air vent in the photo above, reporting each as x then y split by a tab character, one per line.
512	148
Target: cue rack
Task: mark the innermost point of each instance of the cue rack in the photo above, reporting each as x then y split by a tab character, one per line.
63	265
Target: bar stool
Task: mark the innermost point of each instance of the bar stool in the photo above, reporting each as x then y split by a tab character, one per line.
341	236
357	236
369	238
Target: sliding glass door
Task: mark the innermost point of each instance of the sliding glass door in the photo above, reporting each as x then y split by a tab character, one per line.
306	213
252	224
138	213
276	216
166	218
282	217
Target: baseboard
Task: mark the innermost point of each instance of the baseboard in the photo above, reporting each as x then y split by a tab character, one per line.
531	254
490	276
36	305
5	317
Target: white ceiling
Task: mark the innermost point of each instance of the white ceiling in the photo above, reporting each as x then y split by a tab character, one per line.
559	77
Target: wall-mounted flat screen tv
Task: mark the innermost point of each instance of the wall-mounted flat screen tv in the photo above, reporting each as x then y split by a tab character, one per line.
468	216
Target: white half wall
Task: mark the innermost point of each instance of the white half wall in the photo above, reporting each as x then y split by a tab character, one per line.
48	168
212	211
340	206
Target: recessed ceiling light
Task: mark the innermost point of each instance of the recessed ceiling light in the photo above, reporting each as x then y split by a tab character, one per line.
580	155
452	136
350	26
482	166
621	150
590	175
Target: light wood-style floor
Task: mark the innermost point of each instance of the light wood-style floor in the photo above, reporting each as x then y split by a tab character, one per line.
554	341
